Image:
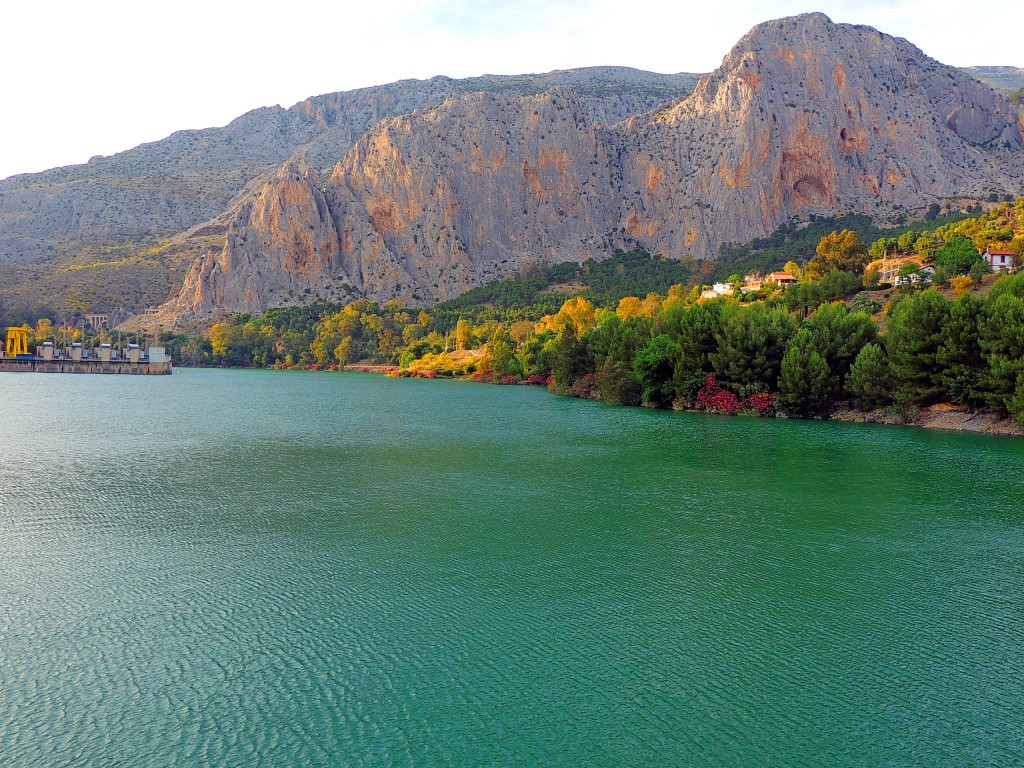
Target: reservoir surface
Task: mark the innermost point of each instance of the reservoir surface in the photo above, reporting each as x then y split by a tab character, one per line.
262	569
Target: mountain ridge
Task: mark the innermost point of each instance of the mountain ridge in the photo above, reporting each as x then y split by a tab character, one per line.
803	117
167	186
164	214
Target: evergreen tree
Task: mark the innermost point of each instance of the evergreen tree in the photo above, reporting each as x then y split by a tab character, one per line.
978	272
912	341
630	337
1002	344
962	367
1015	404
926	245
601	338
837	284
957	256
806	385
905	242
571	359
1011	284
870	377
751	343
654	366
841	251
696	331
618	383
839	335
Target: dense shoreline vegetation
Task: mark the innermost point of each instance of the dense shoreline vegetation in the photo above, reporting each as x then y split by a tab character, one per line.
636	329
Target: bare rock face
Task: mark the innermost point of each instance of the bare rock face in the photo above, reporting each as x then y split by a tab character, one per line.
423	208
168	186
804	116
434	204
807	116
281	246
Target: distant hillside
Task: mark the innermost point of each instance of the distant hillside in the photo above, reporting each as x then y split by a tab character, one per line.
1003	79
106	234
604	282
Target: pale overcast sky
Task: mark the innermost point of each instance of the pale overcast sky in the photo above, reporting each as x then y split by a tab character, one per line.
87	77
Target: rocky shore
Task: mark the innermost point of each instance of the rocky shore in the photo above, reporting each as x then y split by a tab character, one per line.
941	416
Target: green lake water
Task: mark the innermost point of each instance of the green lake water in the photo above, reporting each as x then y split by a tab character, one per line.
258	568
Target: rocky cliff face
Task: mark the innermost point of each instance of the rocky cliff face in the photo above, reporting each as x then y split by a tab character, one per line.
291	229
423	208
804	116
171	185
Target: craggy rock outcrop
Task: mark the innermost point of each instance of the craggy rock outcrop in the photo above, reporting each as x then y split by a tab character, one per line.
423	208
431	205
171	185
807	116
803	117
291	229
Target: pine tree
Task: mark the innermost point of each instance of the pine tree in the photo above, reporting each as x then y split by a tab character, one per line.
751	344
839	335
654	366
806	385
962	367
1015	404
696	331
838	250
1002	344
870	378
912	341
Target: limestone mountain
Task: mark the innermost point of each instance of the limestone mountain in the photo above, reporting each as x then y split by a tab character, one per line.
424	207
803	117
807	116
120	231
168	186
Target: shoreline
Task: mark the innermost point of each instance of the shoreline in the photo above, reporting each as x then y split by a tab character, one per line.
943	416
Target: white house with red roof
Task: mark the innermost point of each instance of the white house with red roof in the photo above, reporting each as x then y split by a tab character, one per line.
780	278
999	259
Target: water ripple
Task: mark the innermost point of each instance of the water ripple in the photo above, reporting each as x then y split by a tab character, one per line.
429	573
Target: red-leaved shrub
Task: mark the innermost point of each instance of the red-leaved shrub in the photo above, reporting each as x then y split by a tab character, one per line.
713	399
763	403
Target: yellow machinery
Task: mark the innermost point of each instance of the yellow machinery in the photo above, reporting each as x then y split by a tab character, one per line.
17	340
